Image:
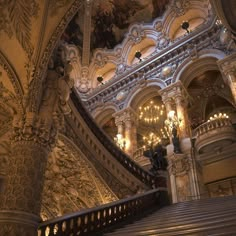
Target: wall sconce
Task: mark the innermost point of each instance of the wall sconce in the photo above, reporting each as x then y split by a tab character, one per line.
120	141
100	79
185	26
138	55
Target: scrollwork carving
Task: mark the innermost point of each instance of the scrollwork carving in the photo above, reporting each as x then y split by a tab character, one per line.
16	17
76	180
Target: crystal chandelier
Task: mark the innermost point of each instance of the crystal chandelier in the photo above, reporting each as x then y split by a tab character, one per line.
151	113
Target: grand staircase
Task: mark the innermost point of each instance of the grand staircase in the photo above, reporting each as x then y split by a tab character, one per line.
214	216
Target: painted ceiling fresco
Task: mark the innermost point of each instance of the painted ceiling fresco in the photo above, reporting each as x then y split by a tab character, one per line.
111	19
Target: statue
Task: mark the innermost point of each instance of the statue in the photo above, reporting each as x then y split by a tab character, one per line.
157	157
175	140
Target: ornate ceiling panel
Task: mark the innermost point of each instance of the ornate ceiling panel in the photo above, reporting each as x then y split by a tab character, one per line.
111	20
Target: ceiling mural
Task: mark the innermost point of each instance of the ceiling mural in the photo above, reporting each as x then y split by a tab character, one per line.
110	21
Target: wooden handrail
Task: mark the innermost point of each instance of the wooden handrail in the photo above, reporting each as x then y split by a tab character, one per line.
99	218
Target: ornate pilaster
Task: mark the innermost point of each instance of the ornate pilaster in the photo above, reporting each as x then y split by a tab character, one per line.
183	177
228	69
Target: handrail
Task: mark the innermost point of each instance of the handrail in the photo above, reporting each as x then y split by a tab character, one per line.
144	176
97	219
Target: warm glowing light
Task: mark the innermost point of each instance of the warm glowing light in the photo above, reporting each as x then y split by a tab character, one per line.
151	113
120	141
218	116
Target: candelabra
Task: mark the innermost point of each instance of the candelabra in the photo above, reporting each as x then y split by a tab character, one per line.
151	113
120	141
172	124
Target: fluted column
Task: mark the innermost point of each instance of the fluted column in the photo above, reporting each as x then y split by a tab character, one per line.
228	70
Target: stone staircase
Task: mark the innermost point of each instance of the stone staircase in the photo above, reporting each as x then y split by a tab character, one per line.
213	216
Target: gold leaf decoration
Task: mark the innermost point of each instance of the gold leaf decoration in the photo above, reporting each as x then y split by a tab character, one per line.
20	13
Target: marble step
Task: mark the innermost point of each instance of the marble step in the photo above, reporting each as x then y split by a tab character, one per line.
216	216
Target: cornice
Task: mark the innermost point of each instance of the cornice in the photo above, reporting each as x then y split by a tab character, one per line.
151	68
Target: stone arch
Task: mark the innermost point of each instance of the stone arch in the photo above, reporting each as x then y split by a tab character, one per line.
189	69
141	95
102	116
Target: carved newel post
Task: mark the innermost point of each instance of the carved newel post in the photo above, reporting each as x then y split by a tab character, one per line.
33	137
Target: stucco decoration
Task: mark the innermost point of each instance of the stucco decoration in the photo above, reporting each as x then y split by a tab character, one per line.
77	184
15	18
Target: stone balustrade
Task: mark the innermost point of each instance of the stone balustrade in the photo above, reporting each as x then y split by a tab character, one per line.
212	132
97	219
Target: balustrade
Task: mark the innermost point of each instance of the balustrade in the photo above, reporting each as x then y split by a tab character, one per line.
144	176
212	125
97	219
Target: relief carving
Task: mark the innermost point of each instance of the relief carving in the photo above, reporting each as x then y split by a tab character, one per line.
78	186
15	16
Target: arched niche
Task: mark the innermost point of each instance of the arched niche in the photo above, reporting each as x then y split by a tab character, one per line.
195	17
208	94
189	69
146	47
106	121
142	95
193	23
107	72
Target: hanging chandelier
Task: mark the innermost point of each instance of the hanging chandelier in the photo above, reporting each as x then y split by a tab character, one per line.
151	113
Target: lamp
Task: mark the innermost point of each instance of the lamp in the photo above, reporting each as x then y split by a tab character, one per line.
138	55
185	26
172	124
120	141
100	79
218	117
151	140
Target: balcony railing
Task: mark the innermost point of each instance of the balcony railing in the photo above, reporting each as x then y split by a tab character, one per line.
135	169
99	218
214	131
212	125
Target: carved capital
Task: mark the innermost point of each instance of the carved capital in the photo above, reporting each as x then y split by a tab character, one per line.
27	128
228	66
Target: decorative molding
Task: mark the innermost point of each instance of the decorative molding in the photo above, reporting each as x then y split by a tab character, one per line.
179	164
16	17
78	184
15	81
40	70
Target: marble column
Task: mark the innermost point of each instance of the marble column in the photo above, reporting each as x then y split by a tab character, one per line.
20	200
